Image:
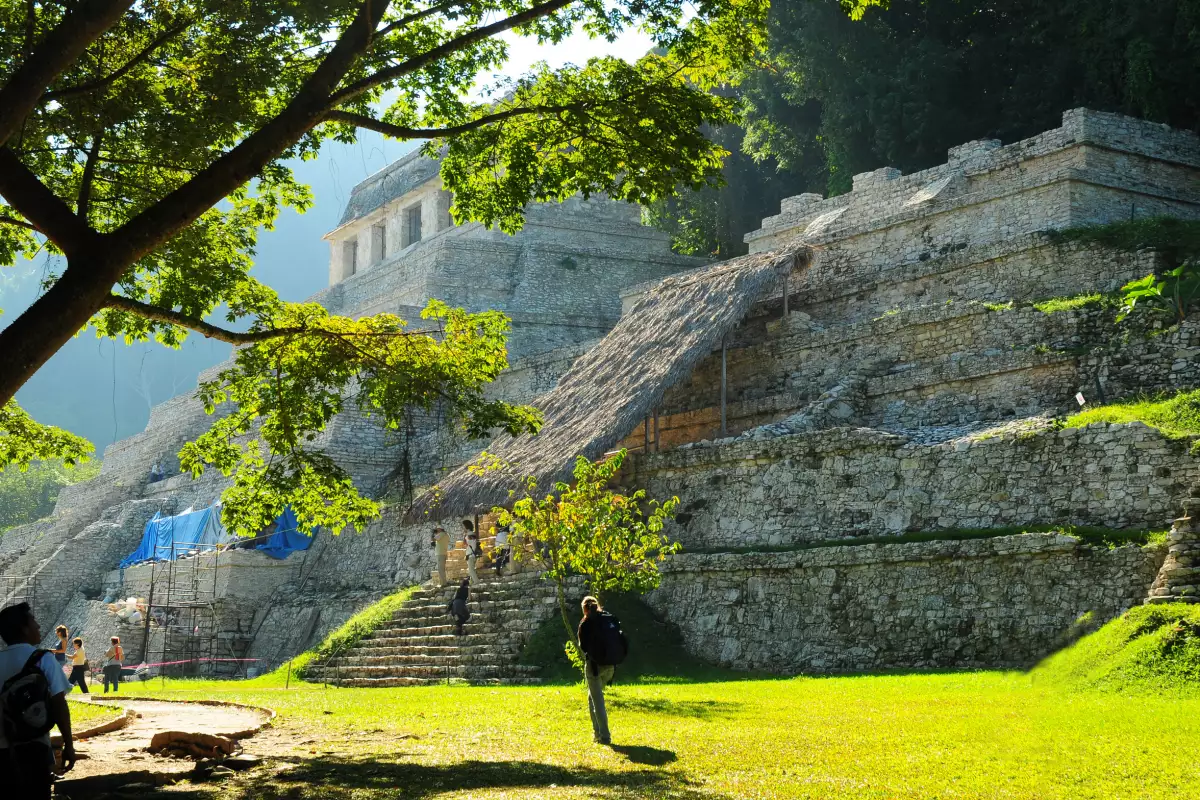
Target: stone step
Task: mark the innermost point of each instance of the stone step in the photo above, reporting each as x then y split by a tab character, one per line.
447	638
500	619
390	682
448	626
357	659
524	603
495	649
470	672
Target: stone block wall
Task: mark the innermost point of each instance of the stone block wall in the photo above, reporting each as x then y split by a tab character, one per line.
1000	602
839	483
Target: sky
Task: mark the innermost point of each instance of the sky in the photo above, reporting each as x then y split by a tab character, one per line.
103	390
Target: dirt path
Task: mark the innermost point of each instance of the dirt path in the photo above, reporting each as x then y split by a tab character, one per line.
124	751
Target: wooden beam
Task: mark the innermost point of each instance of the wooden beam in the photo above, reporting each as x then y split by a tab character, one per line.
724	389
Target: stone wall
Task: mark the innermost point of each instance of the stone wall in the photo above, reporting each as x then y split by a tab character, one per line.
999	602
839	483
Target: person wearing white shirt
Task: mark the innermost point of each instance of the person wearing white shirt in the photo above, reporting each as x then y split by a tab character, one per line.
500	552
26	765
471	539
440	541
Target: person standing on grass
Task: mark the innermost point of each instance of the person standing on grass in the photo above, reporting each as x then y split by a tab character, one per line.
26	759
598	675
440	541
79	665
60	650
471	538
113	661
458	606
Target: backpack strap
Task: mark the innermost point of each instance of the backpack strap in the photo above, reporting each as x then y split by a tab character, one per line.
34	659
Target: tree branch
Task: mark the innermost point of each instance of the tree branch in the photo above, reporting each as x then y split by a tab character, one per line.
416	16
48	215
59	50
401	132
20	223
85	183
107	80
208	330
441	51
184	205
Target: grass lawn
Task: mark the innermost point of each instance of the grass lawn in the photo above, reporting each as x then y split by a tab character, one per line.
84	715
983	734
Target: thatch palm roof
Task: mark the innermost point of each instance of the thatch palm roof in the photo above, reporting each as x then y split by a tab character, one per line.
613	387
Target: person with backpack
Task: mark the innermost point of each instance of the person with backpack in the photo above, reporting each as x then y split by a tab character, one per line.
33	699
79	666
458	606
604	646
113	661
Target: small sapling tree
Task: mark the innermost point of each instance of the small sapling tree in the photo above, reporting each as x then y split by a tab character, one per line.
615	541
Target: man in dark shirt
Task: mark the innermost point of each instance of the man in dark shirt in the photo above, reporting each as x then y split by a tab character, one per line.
598	675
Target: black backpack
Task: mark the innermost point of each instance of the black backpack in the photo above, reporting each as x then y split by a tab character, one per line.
611	644
25	702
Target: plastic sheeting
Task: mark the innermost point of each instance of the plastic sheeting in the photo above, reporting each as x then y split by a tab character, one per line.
168	538
287	538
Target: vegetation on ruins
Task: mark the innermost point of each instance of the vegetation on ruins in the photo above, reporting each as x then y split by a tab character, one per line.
1177	416
146	143
352	631
614	541
29	494
913	78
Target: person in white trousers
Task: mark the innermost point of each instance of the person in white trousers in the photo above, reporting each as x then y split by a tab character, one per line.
471	537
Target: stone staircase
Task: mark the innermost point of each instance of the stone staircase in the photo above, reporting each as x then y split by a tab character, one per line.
418	646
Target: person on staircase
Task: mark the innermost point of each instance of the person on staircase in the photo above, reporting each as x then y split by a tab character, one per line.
471	538
500	553
458	606
113	661
440	541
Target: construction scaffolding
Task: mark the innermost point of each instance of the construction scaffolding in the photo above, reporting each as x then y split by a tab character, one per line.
187	630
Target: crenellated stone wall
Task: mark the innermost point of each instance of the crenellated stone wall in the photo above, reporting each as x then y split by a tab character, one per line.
1000	602
839	483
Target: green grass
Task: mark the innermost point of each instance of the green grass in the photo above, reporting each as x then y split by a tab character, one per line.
1176	416
1056	304
349	634
84	715
947	735
1091	535
1149	649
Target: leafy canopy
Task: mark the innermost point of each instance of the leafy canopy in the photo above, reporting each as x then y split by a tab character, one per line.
615	541
147	144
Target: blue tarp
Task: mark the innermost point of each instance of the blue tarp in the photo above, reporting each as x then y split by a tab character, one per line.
165	538
287	537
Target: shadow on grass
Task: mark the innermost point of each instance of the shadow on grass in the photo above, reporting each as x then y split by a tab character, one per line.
642	754
699	709
368	779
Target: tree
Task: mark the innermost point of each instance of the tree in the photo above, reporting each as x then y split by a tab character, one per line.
613	540
29	495
146	144
915	77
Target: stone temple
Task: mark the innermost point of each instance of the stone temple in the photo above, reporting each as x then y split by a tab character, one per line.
880	365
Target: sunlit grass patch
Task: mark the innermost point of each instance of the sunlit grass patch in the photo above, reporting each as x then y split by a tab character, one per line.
1177	416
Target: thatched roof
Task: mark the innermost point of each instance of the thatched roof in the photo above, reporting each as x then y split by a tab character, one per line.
613	387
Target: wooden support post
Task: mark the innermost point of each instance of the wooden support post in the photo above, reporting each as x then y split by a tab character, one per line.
646	434
724	389
656	430
785	295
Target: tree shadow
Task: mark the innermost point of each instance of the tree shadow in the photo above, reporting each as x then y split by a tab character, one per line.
643	754
700	709
334	778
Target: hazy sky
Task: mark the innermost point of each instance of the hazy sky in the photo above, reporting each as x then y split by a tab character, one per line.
103	390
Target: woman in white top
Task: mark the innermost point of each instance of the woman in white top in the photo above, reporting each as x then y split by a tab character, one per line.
471	538
113	660
79	665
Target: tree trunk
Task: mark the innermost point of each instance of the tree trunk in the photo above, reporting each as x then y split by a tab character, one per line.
43	328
